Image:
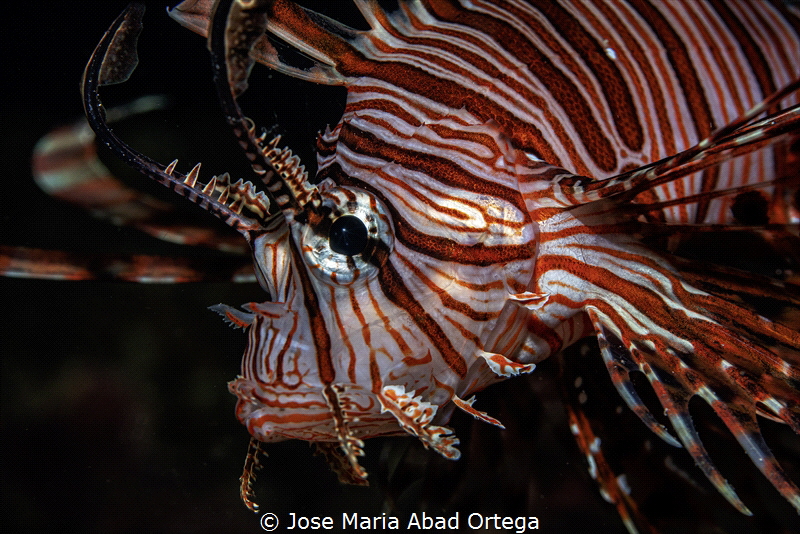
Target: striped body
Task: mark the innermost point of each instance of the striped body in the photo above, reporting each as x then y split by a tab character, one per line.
449	113
507	146
507	178
595	88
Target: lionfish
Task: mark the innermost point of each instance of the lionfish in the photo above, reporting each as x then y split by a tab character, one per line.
508	177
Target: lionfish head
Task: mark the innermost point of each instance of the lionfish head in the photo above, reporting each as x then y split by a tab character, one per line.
355	342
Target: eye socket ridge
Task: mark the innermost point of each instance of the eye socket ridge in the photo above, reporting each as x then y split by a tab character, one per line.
353	242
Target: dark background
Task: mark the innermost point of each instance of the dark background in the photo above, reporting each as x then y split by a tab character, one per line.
115	410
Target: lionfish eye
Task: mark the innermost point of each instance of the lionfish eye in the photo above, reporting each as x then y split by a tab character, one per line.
348	235
356	242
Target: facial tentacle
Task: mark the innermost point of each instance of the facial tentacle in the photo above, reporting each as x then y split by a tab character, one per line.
350	445
234	29
252	464
113	61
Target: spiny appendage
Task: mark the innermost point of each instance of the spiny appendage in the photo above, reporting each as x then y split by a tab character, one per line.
234	30
283	173
415	415
503	367
620	365
741	136
466	405
237	196
734	284
112	62
721	361
339	462
235	318
613	487
197	15
529	300
351	446
252	463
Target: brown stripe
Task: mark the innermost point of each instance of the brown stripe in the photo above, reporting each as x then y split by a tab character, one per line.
524	135
790	16
692	89
447	301
666	137
444	91
615	90
560	87
682	65
319	332
755	59
396	291
543	331
438	168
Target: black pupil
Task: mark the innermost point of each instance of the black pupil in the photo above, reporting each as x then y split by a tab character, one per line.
348	235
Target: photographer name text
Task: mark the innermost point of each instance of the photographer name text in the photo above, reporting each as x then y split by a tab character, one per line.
416	521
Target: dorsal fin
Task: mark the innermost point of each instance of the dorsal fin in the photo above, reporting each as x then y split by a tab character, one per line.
324	41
